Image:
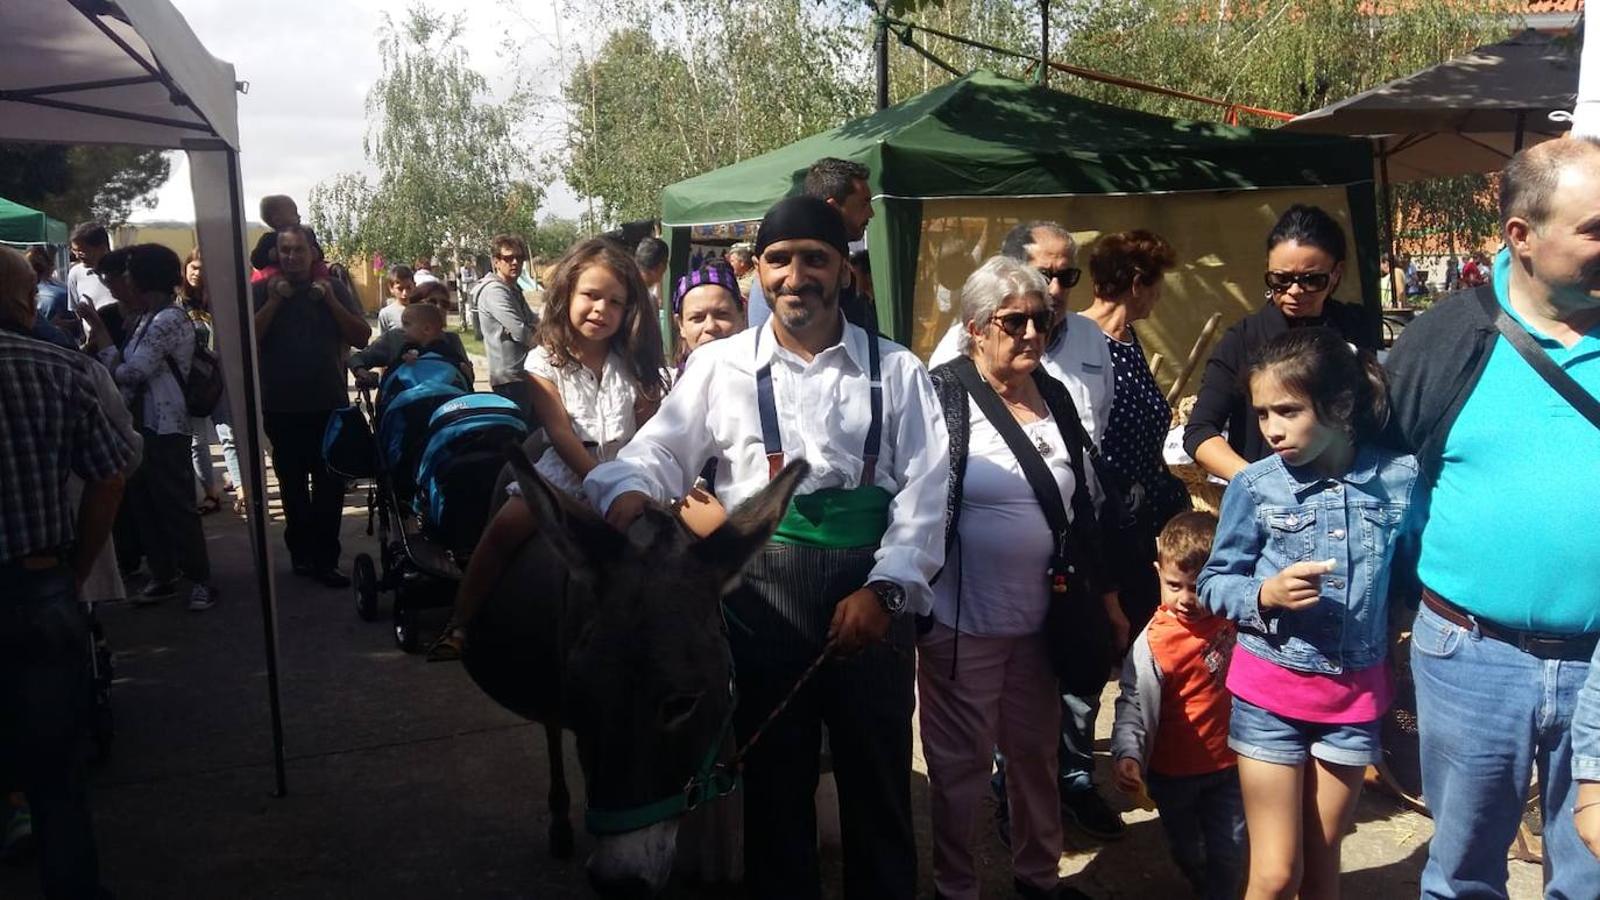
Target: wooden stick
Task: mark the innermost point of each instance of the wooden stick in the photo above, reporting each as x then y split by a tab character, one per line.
1155	365
1200	345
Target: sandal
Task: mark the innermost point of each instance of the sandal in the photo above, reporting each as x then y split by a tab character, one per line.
447	648
241	506
209	505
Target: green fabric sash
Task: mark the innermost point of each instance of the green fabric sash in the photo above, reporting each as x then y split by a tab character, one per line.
836	518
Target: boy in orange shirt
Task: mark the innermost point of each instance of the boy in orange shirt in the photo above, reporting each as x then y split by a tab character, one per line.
1171	732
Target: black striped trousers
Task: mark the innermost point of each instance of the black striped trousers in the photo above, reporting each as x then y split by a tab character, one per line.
779	620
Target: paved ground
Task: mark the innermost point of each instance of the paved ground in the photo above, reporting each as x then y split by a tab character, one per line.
405	781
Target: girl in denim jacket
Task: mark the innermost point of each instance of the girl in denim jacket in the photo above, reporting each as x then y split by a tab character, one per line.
1302	561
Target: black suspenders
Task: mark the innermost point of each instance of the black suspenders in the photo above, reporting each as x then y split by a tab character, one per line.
767	405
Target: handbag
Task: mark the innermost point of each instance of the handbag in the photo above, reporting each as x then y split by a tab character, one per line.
1077	630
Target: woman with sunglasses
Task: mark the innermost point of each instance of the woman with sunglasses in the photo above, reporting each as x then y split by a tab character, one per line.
1305	262
1127	269
985	676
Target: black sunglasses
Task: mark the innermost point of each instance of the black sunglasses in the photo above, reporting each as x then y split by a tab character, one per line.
1311	281
1016	324
1068	276
509	259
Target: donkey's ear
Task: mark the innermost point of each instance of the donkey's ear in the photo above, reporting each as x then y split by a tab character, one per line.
751	525
581	538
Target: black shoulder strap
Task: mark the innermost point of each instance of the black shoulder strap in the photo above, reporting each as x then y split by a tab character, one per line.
1059	399
1034	469
1529	349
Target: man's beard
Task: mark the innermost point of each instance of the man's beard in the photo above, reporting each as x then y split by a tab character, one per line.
795	318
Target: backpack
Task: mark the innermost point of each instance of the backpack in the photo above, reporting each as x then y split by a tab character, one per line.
202	390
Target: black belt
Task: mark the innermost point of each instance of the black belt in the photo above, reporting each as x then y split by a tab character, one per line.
1533	643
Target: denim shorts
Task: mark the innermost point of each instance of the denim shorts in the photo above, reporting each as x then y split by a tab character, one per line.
1256	733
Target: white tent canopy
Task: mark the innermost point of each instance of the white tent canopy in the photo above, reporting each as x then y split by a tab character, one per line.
132	72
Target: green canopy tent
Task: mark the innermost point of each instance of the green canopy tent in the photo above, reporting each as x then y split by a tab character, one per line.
22	225
953	169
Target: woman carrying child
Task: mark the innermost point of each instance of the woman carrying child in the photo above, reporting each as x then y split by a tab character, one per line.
1302	563
597	373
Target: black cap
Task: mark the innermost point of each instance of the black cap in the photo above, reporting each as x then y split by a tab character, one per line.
802	218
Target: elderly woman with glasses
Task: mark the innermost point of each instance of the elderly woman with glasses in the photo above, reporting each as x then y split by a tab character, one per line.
1305	263
985	675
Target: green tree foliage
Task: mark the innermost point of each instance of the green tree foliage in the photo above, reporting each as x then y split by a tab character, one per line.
451	170
652	105
77	184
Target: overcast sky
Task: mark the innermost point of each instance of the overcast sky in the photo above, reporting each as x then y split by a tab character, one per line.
309	64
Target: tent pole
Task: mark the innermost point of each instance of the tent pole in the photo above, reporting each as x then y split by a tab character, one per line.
1043	73
256	477
1522	122
1388	220
880	51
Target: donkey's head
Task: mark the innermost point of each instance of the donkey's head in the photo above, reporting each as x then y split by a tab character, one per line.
646	673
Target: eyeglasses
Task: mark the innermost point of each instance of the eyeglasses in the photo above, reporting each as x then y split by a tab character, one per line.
1016	324
1068	276
1311	281
509	260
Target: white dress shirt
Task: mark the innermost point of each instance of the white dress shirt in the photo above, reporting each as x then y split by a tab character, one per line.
824	408
1078	359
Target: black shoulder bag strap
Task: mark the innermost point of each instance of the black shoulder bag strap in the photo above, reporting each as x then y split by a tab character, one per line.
1033	466
1553	375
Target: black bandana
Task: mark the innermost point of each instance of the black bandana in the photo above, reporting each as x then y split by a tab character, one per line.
802	218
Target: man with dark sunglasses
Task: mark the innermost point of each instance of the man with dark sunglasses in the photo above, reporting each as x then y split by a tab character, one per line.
507	322
1077	356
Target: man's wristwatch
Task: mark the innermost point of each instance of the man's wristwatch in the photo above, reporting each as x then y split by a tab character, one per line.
891	596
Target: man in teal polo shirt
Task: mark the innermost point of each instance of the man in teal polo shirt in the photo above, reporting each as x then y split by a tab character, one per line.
1511	577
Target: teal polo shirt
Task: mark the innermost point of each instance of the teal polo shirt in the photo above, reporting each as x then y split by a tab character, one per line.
1512	531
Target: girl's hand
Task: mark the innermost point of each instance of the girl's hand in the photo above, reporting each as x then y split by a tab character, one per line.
1128	777
1297	587
1586	815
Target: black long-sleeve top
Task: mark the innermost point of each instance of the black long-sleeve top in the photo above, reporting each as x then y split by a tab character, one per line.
1223	403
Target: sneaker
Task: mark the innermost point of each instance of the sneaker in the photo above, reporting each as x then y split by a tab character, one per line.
155	592
17	841
1088	810
202	598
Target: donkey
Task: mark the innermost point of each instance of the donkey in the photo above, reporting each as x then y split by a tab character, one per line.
619	638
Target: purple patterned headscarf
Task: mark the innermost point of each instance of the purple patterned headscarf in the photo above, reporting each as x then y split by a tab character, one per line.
717	273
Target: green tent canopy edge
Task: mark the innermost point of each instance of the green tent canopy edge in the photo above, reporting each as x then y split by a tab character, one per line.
987	135
24	225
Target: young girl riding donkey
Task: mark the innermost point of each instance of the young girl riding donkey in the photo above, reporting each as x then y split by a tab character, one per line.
598	374
1303	562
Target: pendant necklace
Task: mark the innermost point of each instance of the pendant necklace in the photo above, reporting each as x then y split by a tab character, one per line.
1043	445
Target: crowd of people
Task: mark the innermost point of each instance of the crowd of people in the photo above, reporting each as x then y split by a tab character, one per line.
980	540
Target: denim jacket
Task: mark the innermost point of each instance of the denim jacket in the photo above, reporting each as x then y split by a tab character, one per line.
1586	726
1274	515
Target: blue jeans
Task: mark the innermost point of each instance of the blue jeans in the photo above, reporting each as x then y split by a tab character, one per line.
1487	714
1203	816
44	705
1075	752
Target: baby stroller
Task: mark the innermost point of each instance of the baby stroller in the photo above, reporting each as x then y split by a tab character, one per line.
438	449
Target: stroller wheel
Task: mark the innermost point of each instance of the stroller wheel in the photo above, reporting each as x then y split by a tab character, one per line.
364	582
406	633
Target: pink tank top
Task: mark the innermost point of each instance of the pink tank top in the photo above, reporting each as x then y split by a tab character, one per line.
1352	697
